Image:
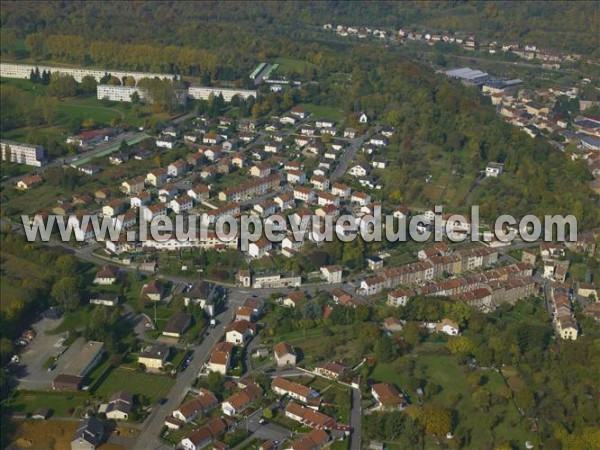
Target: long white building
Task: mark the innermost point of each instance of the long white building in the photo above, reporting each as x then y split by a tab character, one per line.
10	70
20	153
120	93
203	93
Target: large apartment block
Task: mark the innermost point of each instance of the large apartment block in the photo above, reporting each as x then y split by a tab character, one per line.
8	70
119	93
203	93
20	153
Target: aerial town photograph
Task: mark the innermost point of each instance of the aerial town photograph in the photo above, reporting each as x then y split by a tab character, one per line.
299	225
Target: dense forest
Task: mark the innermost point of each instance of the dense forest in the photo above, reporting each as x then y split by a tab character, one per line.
209	24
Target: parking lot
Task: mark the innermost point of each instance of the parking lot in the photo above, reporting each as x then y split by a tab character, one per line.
30	372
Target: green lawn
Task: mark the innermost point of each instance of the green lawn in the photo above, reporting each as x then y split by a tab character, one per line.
137	383
325	112
292	64
60	403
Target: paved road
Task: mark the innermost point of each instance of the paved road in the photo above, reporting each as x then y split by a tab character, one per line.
355	420
348	156
149	438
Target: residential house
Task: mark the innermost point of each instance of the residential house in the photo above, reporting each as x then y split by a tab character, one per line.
107	275
212	138
220	358
153	290
166	142
294	299
282	386
154	357
388	397
104	299
181	204
341	190
332	369
304	194
140	199
119	406
202	403
114	207
245	313
332	274
89	435
360	170
320	183
448	327
239	401
199	193
204	294
177	325
308	417
494	169
167	192
315	440
299	112
206	434
29	182
177	168
239	331
350	133
285	201
266	208
361	198
399	297
392	324
379	162
374	263
260	248
256	304
325	198
284	355
296	177
133	186
157	177
154	211
379	140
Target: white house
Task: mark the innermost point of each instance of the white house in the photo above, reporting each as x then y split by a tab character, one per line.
360	198
260	248
181	204
166	142
447	326
332	274
494	169
360	170
239	331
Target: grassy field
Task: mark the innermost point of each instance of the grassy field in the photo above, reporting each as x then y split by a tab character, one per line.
456	393
60	404
137	383
325	112
292	64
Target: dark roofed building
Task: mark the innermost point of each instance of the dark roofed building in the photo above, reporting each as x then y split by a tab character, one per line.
64	382
89	435
177	325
